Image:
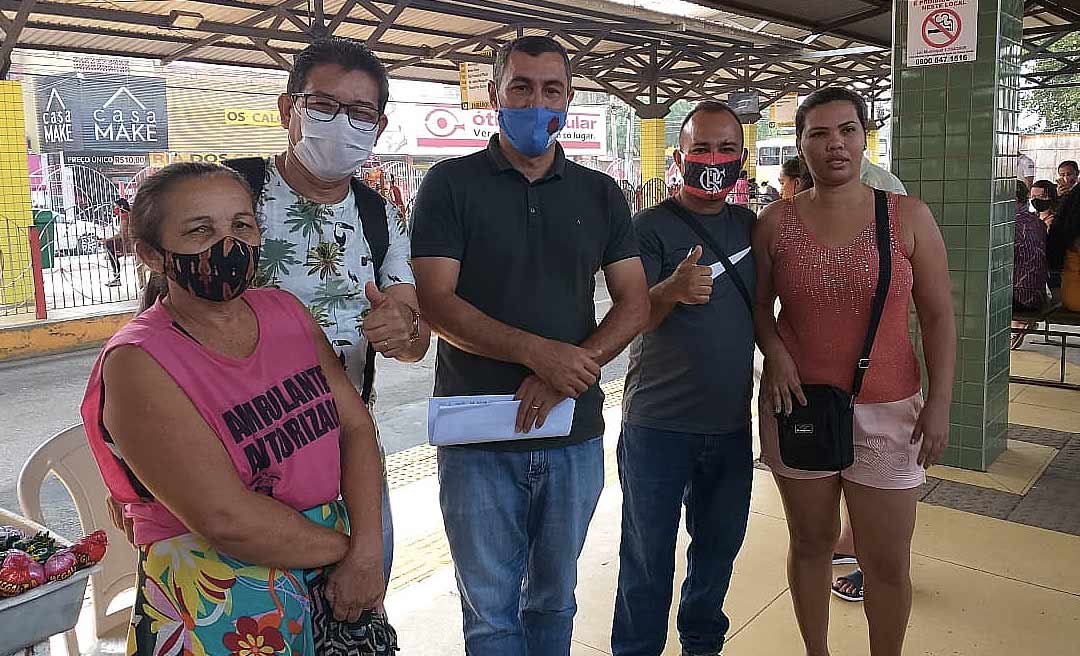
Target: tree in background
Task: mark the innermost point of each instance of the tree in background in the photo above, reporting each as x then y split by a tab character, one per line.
1059	109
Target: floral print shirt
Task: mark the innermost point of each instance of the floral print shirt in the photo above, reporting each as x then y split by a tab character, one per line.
318	253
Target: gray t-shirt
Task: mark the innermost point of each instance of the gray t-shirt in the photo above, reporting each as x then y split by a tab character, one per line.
695	372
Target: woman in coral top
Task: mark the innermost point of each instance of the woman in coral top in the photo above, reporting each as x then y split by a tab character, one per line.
222	420
817	252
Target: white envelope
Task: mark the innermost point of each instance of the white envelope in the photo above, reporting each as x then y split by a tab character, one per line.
454	420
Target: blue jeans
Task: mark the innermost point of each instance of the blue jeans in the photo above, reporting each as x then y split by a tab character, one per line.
387	531
660	471
516	523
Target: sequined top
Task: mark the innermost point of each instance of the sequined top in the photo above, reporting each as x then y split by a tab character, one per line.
826	294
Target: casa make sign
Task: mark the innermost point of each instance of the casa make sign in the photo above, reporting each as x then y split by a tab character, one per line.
100	112
446	130
942	31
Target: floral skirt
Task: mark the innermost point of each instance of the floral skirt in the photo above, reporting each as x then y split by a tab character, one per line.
192	600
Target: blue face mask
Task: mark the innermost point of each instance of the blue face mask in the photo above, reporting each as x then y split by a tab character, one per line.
531	130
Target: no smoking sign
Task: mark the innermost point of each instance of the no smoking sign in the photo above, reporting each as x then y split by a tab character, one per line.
941	31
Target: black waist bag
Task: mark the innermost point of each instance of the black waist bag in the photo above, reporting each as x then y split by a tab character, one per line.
820	435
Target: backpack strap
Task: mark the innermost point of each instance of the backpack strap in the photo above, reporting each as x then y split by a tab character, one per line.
254	171
372	209
373	220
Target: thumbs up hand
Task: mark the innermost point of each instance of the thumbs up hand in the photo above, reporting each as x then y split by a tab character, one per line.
374	296
691	283
389	324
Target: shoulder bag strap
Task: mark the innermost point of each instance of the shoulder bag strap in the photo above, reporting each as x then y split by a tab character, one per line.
678	210
884	249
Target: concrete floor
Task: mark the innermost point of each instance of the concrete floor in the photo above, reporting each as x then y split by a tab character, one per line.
983	587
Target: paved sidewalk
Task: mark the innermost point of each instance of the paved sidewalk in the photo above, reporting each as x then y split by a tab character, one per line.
994	561
978	589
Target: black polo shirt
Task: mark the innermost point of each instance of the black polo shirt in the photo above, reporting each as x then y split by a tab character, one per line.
529	253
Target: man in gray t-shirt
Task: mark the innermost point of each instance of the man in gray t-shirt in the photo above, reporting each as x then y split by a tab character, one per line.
686	409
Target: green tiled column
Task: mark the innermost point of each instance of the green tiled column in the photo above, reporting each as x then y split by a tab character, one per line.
955	142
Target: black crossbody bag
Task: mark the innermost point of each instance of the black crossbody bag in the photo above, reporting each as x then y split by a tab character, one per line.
820	435
673	206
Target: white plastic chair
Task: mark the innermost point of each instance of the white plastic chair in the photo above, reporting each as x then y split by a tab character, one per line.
67	454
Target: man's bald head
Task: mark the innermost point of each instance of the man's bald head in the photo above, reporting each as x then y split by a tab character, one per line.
711	127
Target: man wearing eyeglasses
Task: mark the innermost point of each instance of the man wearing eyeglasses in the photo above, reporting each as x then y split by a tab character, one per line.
329	239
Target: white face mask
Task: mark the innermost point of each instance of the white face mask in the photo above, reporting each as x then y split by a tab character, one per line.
333	150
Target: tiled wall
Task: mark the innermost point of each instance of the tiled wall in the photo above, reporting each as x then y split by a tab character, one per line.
955	140
16	283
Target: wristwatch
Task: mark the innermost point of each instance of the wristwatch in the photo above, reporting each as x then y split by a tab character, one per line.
415	335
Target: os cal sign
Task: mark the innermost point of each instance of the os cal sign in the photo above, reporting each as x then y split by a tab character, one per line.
87	112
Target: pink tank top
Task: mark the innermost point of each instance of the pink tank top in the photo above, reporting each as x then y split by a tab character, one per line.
825	296
273	410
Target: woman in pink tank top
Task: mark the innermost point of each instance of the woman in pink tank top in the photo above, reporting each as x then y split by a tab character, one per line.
818	253
222	420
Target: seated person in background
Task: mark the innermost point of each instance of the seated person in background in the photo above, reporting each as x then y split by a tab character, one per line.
1029	261
1044	198
1063	251
768	194
222	419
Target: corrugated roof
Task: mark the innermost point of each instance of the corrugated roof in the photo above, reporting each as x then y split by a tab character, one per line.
774	46
865	21
425	40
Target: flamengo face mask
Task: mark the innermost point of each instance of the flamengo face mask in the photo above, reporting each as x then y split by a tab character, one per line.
333	150
219	273
711	176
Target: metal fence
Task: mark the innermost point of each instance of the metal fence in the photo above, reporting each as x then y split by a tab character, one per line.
79	263
81	257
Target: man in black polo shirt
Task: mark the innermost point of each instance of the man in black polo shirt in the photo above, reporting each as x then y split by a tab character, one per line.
686	410
506	245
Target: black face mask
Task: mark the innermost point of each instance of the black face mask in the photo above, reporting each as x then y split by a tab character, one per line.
1041	204
219	273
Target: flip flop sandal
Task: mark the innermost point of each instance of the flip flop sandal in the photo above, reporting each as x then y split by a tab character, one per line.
843	559
855	580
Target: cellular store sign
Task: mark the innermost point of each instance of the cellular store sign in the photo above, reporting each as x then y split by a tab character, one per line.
92	111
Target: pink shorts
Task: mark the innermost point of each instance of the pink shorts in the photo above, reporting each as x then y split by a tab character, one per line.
885	458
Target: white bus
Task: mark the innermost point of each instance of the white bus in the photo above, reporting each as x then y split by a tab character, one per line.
771	155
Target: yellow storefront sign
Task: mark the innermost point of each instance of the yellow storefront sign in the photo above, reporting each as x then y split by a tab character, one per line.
474	80
256	117
160	160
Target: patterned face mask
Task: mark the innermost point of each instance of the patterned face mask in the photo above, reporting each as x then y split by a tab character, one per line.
712	175
219	273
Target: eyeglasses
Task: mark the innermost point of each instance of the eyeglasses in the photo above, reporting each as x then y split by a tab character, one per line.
321	108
